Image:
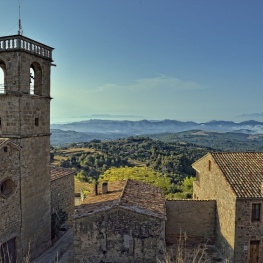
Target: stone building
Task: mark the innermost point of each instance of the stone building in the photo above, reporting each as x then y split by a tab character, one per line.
234	181
123	222
25	115
62	200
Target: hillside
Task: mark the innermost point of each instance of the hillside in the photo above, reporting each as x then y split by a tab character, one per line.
228	141
93	158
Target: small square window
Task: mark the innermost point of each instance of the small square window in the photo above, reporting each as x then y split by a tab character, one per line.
256	209
36	121
5	149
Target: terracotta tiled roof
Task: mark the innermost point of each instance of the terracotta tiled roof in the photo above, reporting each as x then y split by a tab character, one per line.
128	194
58	172
243	171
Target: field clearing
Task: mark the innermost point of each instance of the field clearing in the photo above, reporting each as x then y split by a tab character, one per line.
66	153
79	185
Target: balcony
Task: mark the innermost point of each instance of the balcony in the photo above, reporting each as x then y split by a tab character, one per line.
18	42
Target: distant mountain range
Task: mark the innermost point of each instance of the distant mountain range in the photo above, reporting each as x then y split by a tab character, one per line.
112	129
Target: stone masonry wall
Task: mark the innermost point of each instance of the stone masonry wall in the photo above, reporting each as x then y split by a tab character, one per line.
246	230
211	184
18	113
25	117
119	235
62	202
10	207
35	194
193	217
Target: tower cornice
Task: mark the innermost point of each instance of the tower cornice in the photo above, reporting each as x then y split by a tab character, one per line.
22	43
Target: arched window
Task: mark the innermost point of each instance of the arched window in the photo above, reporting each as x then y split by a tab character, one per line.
2	77
35	79
32	81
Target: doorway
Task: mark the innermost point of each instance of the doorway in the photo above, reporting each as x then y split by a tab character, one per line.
254	251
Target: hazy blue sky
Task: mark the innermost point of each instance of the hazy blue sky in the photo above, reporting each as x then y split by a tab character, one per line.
157	59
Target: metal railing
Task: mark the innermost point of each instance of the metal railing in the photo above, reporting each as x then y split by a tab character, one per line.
18	42
2	89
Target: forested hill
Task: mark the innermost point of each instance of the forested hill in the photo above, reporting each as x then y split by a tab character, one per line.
228	141
95	157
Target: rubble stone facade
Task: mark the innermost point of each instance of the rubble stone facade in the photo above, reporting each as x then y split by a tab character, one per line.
119	235
62	199
211	184
195	218
10	219
123	221
234	181
25	116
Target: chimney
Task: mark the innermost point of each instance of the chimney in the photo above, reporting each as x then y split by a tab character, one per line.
96	188
105	188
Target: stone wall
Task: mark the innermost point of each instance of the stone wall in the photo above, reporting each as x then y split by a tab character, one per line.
62	202
25	117
246	230
119	235
35	194
211	184
10	208
195	218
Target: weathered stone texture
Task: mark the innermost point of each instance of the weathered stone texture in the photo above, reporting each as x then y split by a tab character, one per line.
62	201
35	194
211	184
10	211
196	218
246	230
119	235
25	118
18	112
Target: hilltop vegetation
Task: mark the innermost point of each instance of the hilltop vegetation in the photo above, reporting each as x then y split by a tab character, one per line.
169	162
225	141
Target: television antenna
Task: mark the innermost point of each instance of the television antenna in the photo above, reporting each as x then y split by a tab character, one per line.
20	30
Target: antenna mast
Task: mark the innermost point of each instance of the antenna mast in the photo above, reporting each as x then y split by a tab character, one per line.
20	31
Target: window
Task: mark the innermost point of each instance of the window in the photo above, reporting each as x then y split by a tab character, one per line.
209	165
36	121
2	77
7	188
256	212
35	79
5	149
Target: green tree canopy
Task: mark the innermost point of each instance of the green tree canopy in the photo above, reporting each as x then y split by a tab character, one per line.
143	174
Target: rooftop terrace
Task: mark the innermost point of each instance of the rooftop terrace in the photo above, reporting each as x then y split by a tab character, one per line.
18	42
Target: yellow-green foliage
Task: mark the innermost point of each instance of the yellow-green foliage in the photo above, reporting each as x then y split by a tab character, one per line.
143	174
185	190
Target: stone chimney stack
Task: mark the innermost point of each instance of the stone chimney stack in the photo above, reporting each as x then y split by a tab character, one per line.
96	188
105	188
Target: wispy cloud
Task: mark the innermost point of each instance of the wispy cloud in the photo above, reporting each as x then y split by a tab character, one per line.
150	84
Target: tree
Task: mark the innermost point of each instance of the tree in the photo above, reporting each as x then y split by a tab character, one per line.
143	174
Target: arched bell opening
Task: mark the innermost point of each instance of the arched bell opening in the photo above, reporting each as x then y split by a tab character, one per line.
2	77
35	79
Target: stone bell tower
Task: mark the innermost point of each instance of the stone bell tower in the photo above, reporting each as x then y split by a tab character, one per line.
25	120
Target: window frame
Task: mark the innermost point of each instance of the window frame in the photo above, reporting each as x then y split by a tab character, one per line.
256	212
